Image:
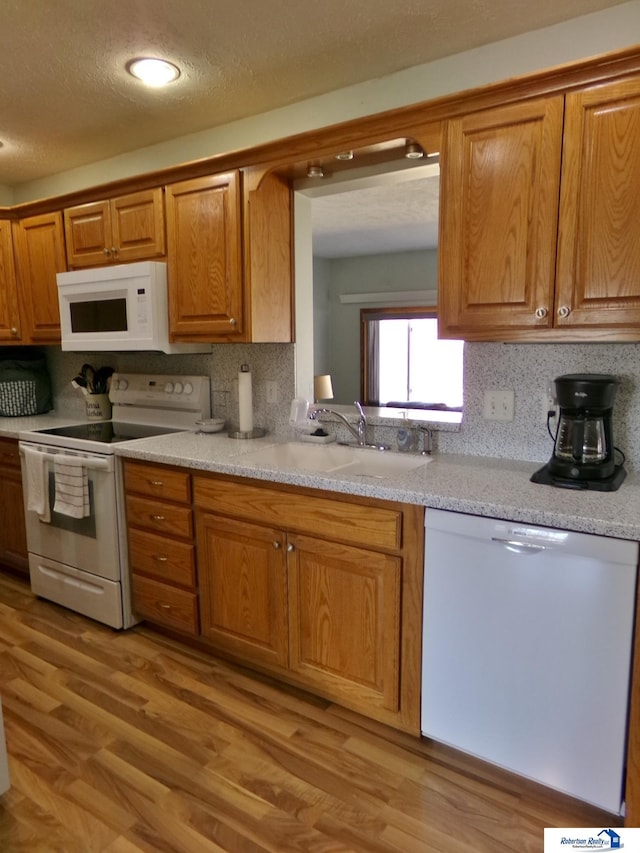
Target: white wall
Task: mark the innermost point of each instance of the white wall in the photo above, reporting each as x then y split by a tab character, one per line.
600	32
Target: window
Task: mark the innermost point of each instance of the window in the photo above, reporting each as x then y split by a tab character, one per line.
405	365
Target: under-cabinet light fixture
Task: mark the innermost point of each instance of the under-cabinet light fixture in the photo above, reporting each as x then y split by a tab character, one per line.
413	151
153	72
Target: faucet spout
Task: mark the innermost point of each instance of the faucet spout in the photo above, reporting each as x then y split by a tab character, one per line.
359	432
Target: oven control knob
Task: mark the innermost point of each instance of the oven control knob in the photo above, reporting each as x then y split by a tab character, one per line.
123	384
188	388
177	388
169	388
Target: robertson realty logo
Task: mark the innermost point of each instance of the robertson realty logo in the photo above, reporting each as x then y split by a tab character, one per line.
592	839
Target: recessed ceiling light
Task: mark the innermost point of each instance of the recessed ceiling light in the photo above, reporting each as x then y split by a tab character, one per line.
153	72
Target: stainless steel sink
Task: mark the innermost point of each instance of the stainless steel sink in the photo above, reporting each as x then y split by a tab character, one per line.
335	458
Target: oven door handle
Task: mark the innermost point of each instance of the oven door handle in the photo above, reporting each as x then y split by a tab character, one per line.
98	463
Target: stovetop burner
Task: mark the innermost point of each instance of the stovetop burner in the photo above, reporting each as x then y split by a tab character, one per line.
108	432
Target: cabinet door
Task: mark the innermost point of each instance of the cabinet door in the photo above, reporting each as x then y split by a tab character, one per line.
87	229
598	274
40	254
10	329
242	572
204	258
499	214
13	535
137	223
344	621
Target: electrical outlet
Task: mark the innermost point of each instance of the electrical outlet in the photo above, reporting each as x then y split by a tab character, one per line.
499	405
549	404
272	392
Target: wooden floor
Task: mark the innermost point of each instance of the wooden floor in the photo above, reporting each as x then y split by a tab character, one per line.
127	741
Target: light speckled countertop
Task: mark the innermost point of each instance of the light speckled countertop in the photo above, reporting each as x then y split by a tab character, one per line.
498	488
479	485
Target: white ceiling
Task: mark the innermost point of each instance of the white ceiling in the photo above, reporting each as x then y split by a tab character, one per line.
392	212
66	99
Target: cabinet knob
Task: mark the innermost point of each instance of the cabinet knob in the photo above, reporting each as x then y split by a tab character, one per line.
232	321
14	331
541	313
290	548
105	250
114	250
276	545
563	312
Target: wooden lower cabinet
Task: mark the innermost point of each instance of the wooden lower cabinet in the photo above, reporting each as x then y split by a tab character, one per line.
243	588
344	620
13	535
323	590
161	547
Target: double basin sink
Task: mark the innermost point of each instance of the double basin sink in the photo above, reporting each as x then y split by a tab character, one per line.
328	459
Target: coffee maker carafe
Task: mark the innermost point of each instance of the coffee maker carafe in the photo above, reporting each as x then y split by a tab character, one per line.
583	452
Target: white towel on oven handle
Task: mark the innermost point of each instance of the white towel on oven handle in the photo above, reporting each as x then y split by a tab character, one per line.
37	483
71	486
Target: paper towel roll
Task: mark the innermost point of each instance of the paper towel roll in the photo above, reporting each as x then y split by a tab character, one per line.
245	399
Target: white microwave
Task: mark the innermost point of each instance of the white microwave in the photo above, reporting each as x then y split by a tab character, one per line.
114	308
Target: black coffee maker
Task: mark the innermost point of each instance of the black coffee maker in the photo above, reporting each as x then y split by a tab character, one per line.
584	452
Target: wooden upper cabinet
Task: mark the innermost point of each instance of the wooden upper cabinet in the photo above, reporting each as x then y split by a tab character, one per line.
10	326
204	254
117	230
598	273
39	255
499	212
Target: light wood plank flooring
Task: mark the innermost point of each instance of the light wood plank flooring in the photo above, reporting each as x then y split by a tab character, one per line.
128	741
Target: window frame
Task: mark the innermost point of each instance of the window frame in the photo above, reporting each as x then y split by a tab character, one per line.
428	312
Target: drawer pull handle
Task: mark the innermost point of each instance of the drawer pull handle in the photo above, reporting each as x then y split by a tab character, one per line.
164	606
160	559
157	517
156	483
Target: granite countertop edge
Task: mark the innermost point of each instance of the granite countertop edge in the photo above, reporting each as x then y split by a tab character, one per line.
478	485
488	486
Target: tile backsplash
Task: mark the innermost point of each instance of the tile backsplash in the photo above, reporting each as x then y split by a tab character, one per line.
526	369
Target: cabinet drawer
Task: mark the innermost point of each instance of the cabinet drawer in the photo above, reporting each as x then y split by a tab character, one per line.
162	558
166	605
164	518
362	524
158	482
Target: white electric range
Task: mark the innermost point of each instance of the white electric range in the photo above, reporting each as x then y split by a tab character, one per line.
74	492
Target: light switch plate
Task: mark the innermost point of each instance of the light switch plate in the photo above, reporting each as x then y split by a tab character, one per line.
499	405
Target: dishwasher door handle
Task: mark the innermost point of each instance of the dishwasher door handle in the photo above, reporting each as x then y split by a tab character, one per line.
527	548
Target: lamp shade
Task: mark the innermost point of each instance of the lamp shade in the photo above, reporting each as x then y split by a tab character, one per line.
322	388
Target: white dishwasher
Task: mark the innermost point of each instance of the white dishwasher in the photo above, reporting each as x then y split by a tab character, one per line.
527	649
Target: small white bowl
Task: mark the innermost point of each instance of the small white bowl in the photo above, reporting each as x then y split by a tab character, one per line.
210	425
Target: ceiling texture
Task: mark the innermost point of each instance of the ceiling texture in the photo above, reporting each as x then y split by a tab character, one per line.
66	99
